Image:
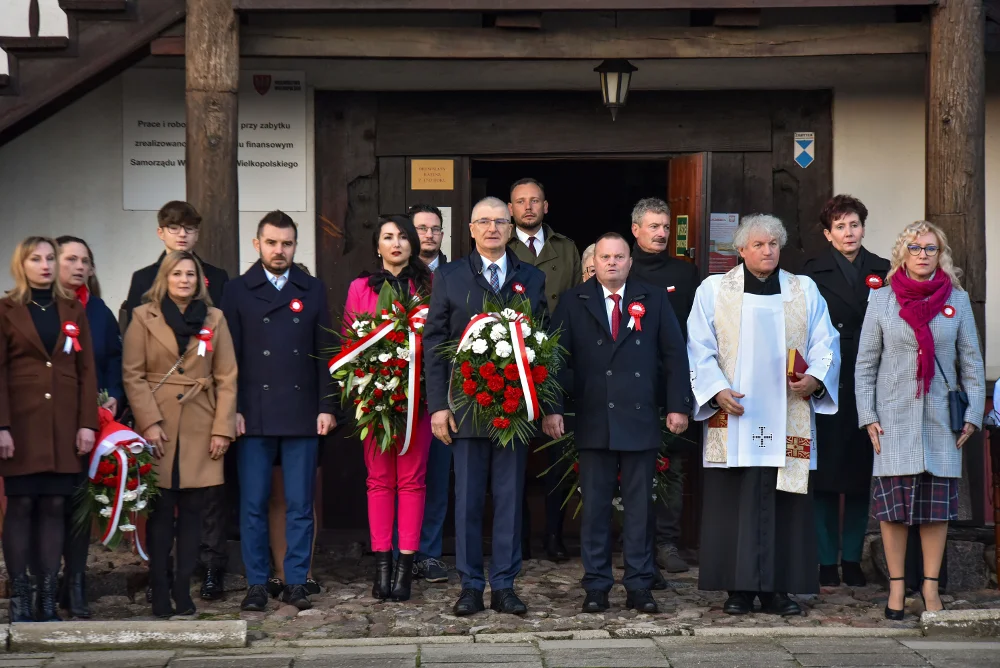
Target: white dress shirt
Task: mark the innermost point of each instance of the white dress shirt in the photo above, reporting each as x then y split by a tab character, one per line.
609	303
539	238
278	281
501	263
433	264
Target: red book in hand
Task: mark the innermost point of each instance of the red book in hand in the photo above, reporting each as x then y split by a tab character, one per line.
796	364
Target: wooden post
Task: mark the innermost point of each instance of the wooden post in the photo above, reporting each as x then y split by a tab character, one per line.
956	122
212	61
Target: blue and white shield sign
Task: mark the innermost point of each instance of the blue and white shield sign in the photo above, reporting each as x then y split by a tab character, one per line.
805	148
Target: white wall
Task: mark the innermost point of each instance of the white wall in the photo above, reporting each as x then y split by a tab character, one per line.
64	176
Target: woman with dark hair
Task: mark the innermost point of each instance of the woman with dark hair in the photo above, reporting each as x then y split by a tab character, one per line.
846	275
394	480
48	415
76	275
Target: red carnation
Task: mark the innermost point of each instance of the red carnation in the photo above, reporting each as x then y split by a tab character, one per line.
495	383
662	464
365	410
106	467
384	372
131	462
360	373
510	371
111	481
487	370
96	479
576	467
132	484
357	401
510	406
397	372
513	392
501	423
470	387
467	369
484	399
145	468
539	374
378	393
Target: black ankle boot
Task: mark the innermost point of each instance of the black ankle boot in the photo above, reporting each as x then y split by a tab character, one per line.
181	590
382	587
20	599
403	578
48	594
76	586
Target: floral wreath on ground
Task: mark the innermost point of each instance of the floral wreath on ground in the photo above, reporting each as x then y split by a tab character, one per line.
668	481
504	367
121	485
378	368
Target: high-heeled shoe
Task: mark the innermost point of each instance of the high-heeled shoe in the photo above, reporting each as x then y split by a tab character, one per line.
924	599
890	613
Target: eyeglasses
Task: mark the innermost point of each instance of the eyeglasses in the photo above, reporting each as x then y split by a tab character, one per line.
484	223
931	250
174	228
432	230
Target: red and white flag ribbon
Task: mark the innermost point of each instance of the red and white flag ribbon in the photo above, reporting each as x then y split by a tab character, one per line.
205	341
72	332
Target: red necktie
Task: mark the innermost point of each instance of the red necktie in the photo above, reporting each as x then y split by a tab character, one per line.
531	246
616	316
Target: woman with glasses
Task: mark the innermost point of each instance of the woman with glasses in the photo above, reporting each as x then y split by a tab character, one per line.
918	342
587	261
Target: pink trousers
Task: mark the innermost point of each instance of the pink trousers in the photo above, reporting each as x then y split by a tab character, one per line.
393	477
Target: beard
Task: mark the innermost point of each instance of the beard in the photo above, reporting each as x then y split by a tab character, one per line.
272	265
530	226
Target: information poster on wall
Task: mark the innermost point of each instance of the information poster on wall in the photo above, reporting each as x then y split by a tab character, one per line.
721	253
271	154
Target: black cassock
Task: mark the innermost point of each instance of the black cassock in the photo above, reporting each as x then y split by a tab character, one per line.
753	537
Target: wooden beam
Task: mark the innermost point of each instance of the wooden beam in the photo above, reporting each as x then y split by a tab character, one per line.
578	44
212	60
545	5
955	196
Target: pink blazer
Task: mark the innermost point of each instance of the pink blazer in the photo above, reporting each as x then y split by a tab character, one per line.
361	299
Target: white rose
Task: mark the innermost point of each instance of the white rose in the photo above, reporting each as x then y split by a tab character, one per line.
392	384
466	345
508	313
106	511
540	337
525	330
504	349
140	505
373	359
356	325
384	357
379	408
126	527
130	496
498	332
379	385
101	498
531	355
654	497
479	346
617	503
403	354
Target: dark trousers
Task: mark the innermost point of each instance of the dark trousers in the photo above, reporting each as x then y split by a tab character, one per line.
556	490
474	459
437	479
214	525
599	471
830	541
176	515
298	467
76	542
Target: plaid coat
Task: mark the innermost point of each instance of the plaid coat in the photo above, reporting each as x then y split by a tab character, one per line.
918	435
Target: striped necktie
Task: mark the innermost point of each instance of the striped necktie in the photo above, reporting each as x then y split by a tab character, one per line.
494	277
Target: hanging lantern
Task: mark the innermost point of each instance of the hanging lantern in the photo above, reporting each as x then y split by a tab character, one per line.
616	75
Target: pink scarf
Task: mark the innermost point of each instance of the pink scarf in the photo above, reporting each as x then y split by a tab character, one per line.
920	302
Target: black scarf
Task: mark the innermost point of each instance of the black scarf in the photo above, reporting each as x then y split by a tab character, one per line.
401	283
186	324
650	267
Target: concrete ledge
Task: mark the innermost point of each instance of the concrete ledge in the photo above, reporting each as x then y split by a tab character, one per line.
981	623
70	636
527	636
651	631
368	642
804	632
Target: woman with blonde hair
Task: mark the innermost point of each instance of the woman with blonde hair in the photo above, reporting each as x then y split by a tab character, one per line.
918	342
48	415
587	262
179	368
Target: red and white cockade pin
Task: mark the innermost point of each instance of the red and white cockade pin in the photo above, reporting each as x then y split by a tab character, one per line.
671	288
206	281
948	311
72	332
874	281
205	341
517	287
637	310
296	306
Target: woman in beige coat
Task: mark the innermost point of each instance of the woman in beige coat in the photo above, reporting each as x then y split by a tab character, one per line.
179	370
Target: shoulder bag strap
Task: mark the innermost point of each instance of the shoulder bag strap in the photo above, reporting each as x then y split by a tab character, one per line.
943	374
176	366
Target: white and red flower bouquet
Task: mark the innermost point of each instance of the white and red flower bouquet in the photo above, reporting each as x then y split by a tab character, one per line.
504	368
121	483
378	368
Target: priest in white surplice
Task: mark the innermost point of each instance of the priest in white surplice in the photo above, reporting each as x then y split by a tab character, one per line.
758	537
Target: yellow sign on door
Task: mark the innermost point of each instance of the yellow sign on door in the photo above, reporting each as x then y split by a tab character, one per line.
682	236
432	175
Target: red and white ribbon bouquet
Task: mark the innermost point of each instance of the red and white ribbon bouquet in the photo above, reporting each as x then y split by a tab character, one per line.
504	369
121	485
379	367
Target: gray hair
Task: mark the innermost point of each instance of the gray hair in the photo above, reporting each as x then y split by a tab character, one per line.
649	205
588	252
760	224
488	203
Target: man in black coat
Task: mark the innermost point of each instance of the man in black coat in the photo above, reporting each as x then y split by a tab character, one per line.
179	225
625	348
651	263
460	288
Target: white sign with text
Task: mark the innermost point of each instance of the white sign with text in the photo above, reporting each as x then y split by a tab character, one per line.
271	159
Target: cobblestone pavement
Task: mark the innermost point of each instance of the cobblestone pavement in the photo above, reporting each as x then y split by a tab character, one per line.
608	653
345	608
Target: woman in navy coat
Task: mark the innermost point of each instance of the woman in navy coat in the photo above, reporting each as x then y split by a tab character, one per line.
76	273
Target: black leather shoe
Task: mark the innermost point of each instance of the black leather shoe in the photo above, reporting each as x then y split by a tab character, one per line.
296	595
402	579
275	587
554	548
76	587
212	588
853	575
659	582
829	576
596	601
255	600
505	600
738	603
779	604
469	602
382	586
641	600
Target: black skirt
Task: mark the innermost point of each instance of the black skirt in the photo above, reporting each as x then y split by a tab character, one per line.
42	484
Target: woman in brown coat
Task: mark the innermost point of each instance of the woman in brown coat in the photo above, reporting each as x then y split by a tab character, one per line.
48	414
179	370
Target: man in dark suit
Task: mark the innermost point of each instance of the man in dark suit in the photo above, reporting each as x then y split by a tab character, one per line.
625	349
280	325
651	263
460	288
179	225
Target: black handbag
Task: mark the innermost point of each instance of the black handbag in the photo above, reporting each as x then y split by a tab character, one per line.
958	402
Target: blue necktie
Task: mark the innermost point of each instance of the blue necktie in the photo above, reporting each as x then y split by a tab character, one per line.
494	277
